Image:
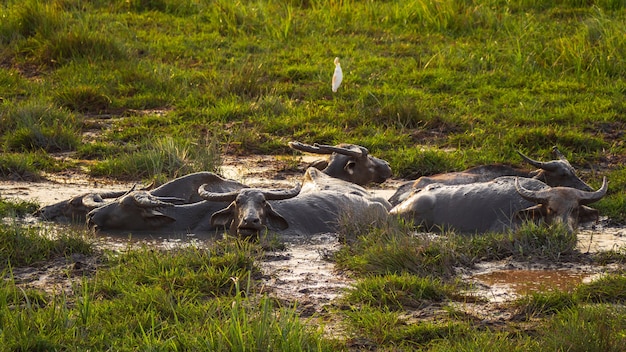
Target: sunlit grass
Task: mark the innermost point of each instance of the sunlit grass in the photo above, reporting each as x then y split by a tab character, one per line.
21	245
16	207
397	292
430	86
166	158
193	298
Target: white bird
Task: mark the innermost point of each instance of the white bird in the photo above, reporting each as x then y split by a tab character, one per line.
337	76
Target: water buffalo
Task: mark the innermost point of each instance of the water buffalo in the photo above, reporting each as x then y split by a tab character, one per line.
181	190
348	162
170	207
76	208
315	181
498	204
303	210
554	173
141	211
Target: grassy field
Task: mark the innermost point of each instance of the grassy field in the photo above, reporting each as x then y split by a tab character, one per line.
143	89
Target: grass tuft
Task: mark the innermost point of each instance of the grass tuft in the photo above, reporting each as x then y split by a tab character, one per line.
21	246
397	292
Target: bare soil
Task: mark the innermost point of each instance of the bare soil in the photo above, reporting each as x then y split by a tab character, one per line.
301	275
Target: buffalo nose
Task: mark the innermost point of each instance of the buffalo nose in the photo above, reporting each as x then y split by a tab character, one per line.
251	221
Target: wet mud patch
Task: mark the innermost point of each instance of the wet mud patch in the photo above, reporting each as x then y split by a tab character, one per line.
508	280
601	237
303	273
300	275
58	276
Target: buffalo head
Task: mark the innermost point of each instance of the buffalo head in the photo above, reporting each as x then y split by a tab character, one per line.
137	210
249	211
349	162
556	172
561	204
76	208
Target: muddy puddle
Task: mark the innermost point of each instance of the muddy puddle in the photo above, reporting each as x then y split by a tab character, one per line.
502	285
301	272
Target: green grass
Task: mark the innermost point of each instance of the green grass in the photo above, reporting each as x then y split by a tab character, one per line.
397	292
22	246
394	248
17	208
194	298
429	86
211	297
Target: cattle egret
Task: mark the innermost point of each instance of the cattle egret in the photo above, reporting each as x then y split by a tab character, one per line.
337	76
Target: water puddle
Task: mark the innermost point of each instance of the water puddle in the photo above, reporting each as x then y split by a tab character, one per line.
509	284
508	280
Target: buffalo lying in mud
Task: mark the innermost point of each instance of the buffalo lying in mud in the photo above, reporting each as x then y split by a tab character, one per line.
348	162
314	208
181	190
553	173
76	208
142	211
174	206
498	205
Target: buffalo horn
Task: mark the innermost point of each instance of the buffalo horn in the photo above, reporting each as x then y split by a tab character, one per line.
532	196
148	201
217	196
586	197
94	199
307	148
345	151
558	153
279	194
112	194
547	165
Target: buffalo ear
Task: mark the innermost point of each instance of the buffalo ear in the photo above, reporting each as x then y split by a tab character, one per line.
320	164
276	220
77	201
587	214
224	216
350	167
535	212
156	218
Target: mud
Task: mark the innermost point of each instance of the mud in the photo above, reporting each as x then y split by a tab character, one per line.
507	280
301	273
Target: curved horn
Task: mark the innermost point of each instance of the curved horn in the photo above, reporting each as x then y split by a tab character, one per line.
148	201
307	148
112	194
532	196
279	194
94	200
216	196
149	187
591	197
547	165
558	153
345	151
